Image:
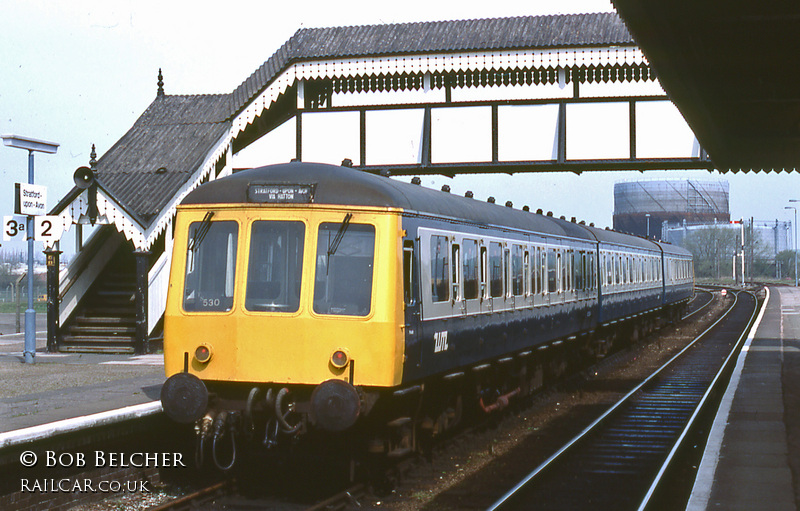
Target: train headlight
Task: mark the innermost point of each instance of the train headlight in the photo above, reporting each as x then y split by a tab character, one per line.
203	353
339	359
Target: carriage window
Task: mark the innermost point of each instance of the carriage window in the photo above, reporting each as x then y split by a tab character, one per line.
408	266
540	278
580	266
470	266
551	271
517	274
440	291
495	269
456	271
526	270
210	266
345	260
275	266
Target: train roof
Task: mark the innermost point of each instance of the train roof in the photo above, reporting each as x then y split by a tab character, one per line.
339	185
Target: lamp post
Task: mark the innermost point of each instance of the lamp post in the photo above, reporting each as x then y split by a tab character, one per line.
647	215
795	238
31	145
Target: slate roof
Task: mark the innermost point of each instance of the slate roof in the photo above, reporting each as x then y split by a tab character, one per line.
557	31
161	151
171	139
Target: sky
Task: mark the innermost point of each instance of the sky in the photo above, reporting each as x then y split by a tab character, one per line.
81	72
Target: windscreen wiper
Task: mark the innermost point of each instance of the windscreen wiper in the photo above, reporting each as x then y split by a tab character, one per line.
334	245
201	232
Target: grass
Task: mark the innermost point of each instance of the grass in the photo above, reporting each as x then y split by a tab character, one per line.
10	307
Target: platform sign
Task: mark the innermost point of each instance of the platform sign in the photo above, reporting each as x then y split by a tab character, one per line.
30	199
48	228
14	227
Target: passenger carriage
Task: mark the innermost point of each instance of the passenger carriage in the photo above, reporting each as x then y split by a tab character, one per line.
311	296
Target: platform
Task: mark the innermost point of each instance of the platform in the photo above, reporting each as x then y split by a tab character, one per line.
754	445
63	386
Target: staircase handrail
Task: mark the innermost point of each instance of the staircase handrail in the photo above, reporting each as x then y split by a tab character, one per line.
78	277
158	284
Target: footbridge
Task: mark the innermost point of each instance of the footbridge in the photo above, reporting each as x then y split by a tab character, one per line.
529	94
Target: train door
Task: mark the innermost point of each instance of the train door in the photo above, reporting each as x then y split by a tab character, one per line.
436	274
555	265
497	276
470	276
411	298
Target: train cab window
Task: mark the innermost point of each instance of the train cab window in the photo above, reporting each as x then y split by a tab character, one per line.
344	264
469	252
517	273
275	266
440	269
210	266
495	270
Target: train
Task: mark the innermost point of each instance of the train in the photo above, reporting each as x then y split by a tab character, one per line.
315	299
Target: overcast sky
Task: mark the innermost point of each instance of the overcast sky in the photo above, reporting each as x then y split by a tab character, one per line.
81	72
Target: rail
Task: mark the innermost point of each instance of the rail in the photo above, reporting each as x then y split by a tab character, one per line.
619	459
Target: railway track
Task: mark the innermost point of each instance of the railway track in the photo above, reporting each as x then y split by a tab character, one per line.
224	496
701	300
618	461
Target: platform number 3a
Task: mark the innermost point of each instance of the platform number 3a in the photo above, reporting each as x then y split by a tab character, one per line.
13	227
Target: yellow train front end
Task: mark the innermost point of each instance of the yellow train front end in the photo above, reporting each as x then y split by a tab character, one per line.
282	315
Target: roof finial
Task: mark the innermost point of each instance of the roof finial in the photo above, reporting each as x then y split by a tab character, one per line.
160	92
93	159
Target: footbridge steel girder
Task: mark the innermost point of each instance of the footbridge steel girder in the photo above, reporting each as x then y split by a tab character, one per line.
493	162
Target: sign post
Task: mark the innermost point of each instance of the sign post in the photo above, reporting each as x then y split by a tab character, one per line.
37	203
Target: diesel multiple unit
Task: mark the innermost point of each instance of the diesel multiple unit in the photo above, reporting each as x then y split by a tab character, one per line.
314	298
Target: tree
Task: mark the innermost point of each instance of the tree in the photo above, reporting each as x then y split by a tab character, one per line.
786	261
712	248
